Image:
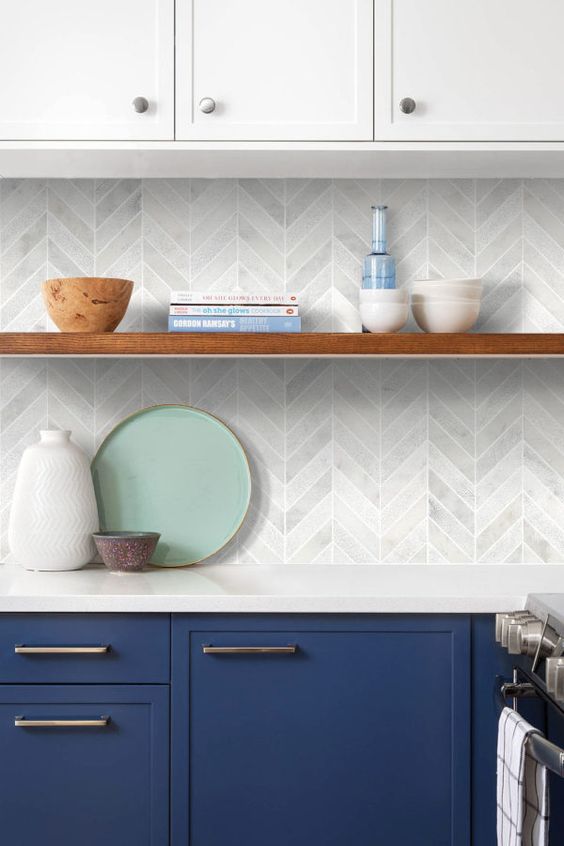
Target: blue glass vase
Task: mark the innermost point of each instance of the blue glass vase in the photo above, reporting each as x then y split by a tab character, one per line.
378	267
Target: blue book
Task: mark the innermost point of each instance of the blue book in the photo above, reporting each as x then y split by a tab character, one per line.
234	324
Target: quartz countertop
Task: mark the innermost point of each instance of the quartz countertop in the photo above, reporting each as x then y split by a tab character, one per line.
316	588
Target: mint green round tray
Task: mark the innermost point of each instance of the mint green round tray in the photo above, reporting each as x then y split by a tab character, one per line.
176	470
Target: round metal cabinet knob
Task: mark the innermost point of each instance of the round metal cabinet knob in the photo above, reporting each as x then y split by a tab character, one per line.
207	105
407	105
140	104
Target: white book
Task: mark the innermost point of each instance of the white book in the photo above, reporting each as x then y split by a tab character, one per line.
233	310
230	297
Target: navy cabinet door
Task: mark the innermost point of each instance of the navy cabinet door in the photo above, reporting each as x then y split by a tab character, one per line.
359	737
88	785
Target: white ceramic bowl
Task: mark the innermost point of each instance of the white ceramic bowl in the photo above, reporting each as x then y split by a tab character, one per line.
446	315
383	295
447	291
447	288
424	296
469	282
383	317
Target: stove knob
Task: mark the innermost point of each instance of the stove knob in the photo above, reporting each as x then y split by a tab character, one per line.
512	619
502	620
530	636
498	621
559	683
515	638
553	672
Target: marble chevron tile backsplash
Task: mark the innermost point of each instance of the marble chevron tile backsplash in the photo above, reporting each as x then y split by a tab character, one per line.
352	461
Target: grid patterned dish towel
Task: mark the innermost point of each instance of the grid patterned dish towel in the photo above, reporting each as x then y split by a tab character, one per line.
522	786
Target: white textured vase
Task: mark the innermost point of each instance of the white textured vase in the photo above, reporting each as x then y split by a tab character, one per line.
54	508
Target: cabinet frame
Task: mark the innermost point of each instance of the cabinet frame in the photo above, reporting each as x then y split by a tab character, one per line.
187	129
184	626
90	699
414	127
156	124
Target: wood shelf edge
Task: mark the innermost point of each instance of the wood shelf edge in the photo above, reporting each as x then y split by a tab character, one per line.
404	344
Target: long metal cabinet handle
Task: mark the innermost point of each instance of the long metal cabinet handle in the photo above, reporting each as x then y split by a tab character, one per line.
250	650
21	649
22	722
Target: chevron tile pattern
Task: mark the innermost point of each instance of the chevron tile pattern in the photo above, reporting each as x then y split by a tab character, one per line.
309	461
72	399
261	234
543	253
351	461
499	254
357	454
543	470
166	247
118	239
213	234
309	250
452	228
404	483
260	425
351	234
499	461
24	411
23	254
451	462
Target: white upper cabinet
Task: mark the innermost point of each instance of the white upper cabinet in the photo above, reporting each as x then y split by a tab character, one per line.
71	69
296	70
474	69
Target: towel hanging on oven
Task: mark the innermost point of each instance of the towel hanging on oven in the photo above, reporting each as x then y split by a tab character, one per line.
522	787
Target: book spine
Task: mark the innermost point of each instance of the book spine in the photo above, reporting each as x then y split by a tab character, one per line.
230	298
233	311
234	324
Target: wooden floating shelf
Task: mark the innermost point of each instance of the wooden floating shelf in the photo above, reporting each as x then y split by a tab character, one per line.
306	345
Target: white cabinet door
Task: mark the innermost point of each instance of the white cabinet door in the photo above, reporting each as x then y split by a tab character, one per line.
70	69
476	69
274	69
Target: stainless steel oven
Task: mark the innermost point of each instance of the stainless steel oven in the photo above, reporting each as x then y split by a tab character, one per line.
535	637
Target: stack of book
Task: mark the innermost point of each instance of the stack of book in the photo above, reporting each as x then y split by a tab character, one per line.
230	312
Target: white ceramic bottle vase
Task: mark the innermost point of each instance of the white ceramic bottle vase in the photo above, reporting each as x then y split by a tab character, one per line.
54	508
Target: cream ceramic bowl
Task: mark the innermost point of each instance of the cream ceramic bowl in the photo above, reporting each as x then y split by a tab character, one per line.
448	289
446	315
384	317
383	295
474	283
441	295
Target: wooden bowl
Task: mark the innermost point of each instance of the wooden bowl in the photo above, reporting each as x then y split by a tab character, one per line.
87	304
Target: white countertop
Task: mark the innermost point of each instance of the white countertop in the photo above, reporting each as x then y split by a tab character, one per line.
224	588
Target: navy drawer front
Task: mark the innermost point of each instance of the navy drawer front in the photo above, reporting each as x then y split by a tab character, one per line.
69	783
84	648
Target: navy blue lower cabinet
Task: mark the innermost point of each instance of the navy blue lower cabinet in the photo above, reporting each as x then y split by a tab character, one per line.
135	648
359	736
103	784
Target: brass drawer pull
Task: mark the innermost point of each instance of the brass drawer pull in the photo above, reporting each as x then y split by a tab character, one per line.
250	650
21	649
22	722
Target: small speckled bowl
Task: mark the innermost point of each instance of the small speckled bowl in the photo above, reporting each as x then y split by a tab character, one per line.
126	552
